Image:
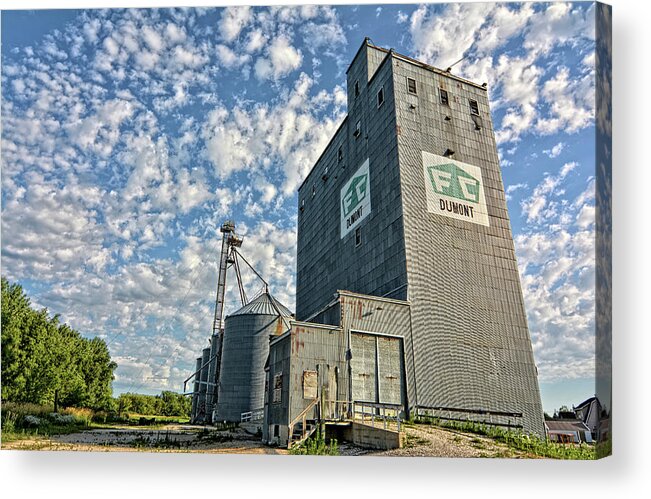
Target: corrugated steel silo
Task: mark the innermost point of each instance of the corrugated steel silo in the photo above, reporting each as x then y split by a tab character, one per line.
203	378
244	352
195	391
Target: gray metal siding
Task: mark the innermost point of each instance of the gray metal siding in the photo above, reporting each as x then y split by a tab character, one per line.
279	362
203	378
325	262
195	390
471	342
245	351
316	349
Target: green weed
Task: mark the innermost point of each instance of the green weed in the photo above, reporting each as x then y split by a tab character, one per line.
521	441
316	446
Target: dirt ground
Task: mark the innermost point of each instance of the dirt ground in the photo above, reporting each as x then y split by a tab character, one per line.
420	441
168	438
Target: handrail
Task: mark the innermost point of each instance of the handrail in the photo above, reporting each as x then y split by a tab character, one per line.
470	411
302	417
483	416
250	416
379	411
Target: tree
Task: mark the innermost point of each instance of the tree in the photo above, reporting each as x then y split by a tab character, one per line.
43	359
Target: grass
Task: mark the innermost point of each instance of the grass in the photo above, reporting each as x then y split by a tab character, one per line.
520	441
414	440
316	446
166	442
22	421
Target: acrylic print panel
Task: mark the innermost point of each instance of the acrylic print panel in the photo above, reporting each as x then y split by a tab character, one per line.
175	264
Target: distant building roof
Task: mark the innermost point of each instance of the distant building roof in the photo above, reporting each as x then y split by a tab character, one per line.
586	402
566	425
265	304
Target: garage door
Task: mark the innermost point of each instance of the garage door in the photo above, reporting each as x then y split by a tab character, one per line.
363	367
377	368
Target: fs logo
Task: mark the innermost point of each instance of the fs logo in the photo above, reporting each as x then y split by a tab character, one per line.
450	180
355	199
355	194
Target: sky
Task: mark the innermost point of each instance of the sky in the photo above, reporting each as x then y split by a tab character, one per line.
129	136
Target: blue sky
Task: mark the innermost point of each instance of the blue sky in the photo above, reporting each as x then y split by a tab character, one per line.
128	136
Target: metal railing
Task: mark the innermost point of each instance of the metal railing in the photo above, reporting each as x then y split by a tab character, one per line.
384	413
254	415
480	416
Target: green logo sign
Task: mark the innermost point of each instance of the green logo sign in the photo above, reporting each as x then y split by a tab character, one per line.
450	180
355	194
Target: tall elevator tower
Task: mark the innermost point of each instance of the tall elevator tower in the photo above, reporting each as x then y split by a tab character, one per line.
407	202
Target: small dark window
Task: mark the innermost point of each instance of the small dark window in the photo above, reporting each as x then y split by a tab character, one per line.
278	388
340	154
411	86
477	120
356	88
380	97
358	236
444	97
474	108
276	430
358	129
302	204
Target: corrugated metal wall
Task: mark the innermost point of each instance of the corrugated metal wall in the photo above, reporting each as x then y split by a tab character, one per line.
320	349
203	378
325	262
244	353
471	342
277	411
195	391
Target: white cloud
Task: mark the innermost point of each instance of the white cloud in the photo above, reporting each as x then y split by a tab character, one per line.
282	58
557	268
559	24
233	20
504	22
52	232
288	132
514	187
555	150
229	58
571	103
532	102
153	39
539	206
255	41
174	33
323	36
442	39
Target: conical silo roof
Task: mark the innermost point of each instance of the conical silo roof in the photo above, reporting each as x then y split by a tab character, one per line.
265	304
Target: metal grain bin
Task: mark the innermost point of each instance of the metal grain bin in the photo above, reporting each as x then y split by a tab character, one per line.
203	380
244	352
195	391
